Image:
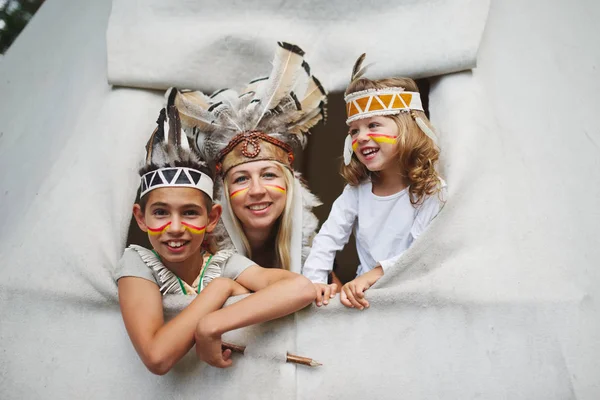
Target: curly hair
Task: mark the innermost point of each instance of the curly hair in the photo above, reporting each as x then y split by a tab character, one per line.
417	153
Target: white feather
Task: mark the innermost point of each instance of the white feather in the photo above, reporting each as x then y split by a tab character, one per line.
308	121
426	129
229	97
304	79
348	150
312	97
286	66
192	108
255	85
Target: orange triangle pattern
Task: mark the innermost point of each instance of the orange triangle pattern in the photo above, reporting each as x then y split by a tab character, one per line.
362	102
376	104
386	99
397	103
353	110
407	97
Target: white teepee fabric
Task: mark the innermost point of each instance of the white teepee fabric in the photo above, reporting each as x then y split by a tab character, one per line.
498	299
153	44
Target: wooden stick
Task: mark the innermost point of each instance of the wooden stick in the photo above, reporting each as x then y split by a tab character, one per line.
291	358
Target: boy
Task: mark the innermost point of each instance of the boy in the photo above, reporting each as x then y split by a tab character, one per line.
176	210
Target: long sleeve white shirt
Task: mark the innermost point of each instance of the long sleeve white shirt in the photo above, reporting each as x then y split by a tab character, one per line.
384	227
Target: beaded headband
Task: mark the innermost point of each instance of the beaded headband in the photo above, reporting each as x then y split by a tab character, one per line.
253	146
386	101
176	177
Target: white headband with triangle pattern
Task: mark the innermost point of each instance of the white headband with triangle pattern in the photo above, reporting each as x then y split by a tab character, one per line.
176	177
386	101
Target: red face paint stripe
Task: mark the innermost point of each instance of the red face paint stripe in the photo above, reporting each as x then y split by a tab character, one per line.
198	228
157	231
373	135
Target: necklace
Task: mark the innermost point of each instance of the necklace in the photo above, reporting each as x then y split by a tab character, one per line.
181	285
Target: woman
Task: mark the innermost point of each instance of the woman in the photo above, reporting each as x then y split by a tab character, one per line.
250	138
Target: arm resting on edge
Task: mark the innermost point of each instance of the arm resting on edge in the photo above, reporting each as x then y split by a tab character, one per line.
161	345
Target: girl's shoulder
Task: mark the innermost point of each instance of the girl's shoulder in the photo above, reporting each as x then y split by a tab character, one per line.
363	187
436	200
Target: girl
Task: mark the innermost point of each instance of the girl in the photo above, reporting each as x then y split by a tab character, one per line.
393	191
176	210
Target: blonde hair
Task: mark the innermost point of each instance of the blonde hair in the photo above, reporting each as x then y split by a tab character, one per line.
417	154
283	225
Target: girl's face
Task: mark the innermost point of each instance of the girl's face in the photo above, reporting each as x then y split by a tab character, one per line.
257	193
176	220
375	142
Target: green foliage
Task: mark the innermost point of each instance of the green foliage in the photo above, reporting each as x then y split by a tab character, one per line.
14	15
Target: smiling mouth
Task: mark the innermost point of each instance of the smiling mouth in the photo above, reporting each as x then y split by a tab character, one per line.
258	207
175	244
369	151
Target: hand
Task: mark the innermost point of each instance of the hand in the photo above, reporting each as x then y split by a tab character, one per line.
336	280
208	348
353	292
324	293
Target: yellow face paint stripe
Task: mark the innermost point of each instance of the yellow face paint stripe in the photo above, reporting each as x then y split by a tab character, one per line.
380	138
239	191
196	230
275	187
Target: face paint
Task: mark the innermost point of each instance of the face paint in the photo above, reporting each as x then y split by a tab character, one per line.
239	191
275	187
380	138
160	230
196	230
377	138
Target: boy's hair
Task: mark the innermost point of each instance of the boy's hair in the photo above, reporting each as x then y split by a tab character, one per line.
417	154
187	163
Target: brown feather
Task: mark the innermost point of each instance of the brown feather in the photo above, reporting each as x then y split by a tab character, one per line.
356	71
174	123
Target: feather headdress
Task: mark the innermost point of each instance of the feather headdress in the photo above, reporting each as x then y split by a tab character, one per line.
265	120
170	159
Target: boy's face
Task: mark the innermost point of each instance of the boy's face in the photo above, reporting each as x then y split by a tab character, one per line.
176	220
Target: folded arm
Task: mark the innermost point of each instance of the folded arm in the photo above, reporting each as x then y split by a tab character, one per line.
160	345
277	293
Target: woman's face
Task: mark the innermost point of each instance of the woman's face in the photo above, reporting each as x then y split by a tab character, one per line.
257	193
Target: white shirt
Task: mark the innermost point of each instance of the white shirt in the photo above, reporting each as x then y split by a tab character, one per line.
384	227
